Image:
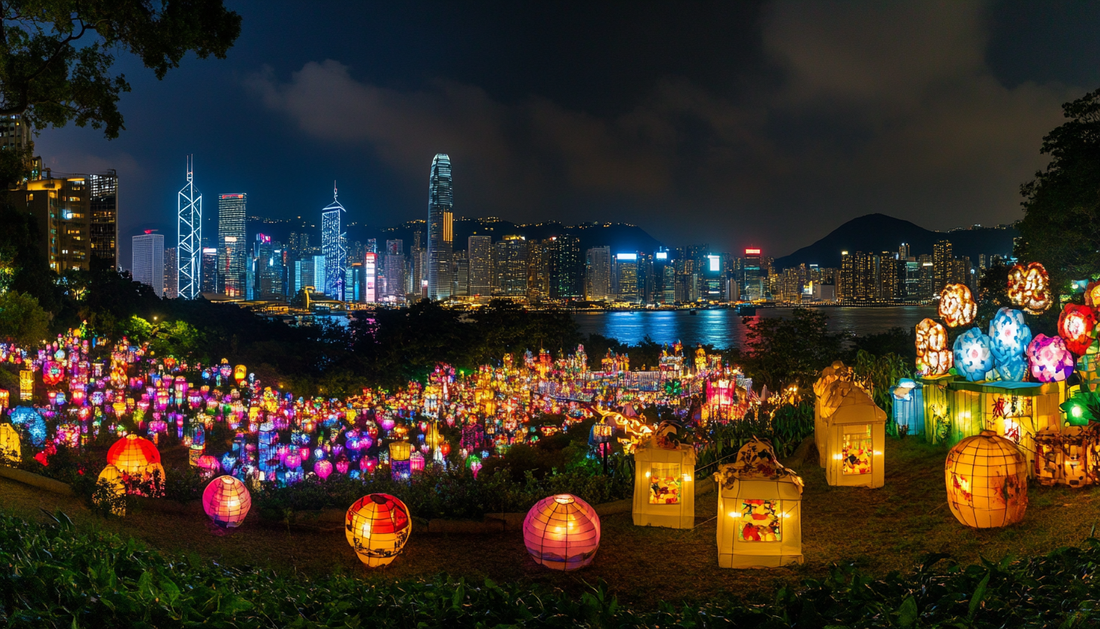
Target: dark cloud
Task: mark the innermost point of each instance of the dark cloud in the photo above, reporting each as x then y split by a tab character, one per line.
729	123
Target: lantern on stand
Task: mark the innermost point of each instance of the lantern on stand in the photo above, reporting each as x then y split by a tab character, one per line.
562	532
986	481
377	527
226	501
759	510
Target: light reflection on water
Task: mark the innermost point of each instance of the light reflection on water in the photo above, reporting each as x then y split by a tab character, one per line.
724	328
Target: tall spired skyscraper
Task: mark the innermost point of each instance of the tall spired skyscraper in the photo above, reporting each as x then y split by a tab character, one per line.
332	247
232	246
440	228
189	236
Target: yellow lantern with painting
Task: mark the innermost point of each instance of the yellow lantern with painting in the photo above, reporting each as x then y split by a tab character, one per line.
986	479
664	485
26	384
11	450
856	442
240	374
759	510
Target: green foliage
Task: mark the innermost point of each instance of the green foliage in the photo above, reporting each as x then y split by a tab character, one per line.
879	374
784	351
59	576
57	59
22	320
786	427
1061	224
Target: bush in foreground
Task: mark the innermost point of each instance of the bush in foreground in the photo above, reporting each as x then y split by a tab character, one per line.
55	575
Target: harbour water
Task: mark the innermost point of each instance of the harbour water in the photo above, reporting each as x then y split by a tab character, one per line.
725	328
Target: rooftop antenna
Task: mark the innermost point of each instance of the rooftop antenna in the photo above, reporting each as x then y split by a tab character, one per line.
335	196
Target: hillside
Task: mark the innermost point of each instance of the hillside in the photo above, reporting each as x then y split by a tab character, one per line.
879	232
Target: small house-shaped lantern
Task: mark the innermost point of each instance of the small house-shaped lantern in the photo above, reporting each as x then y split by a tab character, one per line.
986	479
857	440
829	389
759	510
664	482
908	407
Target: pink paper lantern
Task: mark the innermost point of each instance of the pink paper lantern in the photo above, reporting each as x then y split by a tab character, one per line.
562	532
226	501
323	469
1049	358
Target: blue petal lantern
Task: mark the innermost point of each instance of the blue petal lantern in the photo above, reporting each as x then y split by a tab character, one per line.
1008	335
29	419
1013	370
973	357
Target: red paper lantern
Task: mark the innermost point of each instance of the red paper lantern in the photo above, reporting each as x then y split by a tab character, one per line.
562	532
1077	327
133	454
377	527
226	501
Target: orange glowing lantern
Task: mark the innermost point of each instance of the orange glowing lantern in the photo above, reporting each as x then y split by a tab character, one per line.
133	455
1092	294
240	374
377	527
957	305
26	384
226	501
1029	288
562	532
4	397
933	357
986	481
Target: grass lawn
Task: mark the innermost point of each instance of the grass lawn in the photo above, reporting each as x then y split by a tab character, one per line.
880	530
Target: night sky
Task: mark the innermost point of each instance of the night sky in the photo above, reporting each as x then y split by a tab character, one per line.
730	123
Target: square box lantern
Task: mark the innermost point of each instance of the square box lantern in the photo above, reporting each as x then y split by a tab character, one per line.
856	442
759	510
664	486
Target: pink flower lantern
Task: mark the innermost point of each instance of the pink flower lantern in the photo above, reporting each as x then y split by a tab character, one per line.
1049	358
226	501
323	469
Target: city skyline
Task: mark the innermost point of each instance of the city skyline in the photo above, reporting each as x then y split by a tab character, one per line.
737	116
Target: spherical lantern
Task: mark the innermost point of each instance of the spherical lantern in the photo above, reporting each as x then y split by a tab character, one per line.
226	501
377	527
986	481
1077	326
957	306
562	532
133	454
973	358
1049	358
113	491
1029	287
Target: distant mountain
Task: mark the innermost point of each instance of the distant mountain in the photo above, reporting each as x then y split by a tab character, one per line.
875	233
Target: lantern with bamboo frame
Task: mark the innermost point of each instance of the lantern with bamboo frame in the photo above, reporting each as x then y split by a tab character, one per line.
664	485
226	501
986	479
562	532
856	442
377	527
11	448
133	454
908	407
759	510
1017	411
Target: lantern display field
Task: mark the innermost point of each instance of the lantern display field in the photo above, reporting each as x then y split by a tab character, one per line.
908	407
11	449
226	501
856	442
377	527
133	455
986	478
664	486
562	532
759	510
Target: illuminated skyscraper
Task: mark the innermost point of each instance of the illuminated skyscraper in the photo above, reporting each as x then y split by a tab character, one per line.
148	261
77	217
333	248
171	274
481	273
189	236
370	278
395	270
210	270
440	228
598	273
510	266
232	245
